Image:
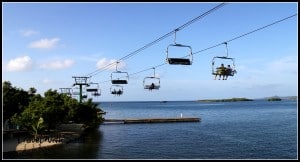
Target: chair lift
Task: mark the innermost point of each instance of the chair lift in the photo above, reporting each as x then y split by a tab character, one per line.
95	90
116	90
115	76
84	96
67	91
151	82
98	93
233	71
75	92
179	61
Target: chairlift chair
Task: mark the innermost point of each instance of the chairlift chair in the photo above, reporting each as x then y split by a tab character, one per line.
84	95
75	91
179	61
95	90
151	82
67	91
119	77
116	77
92	89
98	93
233	71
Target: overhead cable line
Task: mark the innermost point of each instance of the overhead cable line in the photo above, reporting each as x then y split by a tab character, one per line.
156	41
147	69
235	38
140	71
246	34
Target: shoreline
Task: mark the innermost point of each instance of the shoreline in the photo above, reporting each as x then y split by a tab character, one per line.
65	134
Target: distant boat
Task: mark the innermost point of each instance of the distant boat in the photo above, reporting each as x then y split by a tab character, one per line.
163	101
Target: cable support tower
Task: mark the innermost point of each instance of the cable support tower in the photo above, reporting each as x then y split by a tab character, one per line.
81	81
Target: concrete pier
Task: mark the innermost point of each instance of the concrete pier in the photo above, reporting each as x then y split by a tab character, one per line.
151	120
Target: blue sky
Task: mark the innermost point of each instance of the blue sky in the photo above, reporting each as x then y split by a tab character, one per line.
45	44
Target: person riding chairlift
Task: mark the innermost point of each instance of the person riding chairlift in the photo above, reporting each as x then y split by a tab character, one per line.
228	71
151	86
221	72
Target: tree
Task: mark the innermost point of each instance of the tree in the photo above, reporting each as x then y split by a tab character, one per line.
55	108
14	100
50	108
88	114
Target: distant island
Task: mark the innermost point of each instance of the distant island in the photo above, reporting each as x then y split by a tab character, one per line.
226	100
290	98
274	99
279	98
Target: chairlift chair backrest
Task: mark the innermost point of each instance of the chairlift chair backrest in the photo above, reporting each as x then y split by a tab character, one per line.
119	77
180	61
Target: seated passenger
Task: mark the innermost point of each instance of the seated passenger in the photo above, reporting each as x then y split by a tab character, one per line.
114	92
228	71
151	86
119	92
220	71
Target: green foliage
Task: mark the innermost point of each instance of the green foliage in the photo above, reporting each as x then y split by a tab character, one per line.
45	113
14	100
38	126
53	109
87	113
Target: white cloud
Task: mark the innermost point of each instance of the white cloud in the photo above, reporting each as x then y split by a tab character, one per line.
287	64
58	64
44	43
47	81
19	64
103	64
279	68
28	33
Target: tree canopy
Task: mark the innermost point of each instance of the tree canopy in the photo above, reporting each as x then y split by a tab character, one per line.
31	111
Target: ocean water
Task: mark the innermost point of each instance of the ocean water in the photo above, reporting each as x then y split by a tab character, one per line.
228	130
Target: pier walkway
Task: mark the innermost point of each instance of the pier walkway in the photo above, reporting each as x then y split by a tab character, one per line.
151	120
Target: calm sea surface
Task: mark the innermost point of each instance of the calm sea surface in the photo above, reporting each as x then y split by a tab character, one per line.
228	130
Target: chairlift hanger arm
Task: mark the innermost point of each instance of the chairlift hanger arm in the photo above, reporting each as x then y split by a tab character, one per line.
177	44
